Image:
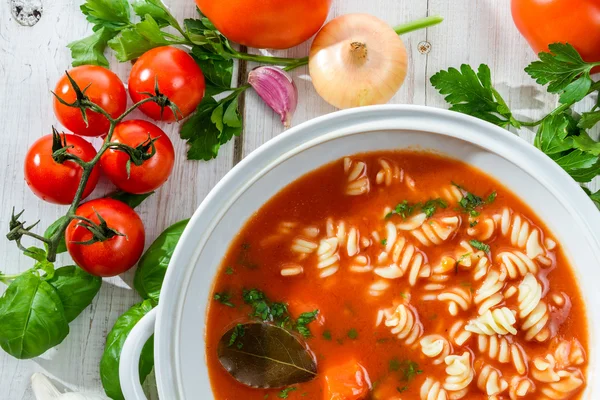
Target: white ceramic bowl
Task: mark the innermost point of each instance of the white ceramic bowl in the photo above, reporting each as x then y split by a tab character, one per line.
178	323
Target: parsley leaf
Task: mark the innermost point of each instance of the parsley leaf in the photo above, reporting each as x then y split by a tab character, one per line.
589	119
383	242
551	137
472	93
157	10
134	42
223	298
353	334
113	14
229	271
564	71
217	70
305	319
595	196
90	50
327	335
406	209
285	392
213	124
430	206
408	369
238	332
479	245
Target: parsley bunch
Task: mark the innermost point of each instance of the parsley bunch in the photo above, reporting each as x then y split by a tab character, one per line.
561	134
150	25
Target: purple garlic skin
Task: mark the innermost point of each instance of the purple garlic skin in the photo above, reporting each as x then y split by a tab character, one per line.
277	89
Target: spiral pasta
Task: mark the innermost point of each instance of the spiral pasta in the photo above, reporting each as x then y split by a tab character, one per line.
449	193
433	390
556	383
458	298
328	257
504	350
459	375
533	311
404	323
517	264
499	321
481	228
520	387
405	258
436	347
521	232
490	381
356	177
489	295
436	231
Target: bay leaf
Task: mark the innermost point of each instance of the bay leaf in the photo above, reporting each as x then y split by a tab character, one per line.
266	356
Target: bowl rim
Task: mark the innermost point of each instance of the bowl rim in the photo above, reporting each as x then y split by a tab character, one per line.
341	123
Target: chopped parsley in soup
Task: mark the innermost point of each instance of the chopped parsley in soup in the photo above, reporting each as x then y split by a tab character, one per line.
396	275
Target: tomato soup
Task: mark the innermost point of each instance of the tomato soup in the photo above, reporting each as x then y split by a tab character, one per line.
402	275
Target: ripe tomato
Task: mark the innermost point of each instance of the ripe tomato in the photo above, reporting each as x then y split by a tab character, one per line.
543	22
105	89
114	255
55	182
153	172
179	78
266	24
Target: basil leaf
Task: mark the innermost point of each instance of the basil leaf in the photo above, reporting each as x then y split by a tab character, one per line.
76	289
51	230
109	364
132	200
32	318
265	356
153	265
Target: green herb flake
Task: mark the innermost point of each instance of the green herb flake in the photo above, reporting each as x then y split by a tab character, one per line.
285	392
327	335
430	206
223	298
473	223
394	364
479	245
384	242
229	271
408	369
402	389
237	333
491	198
353	334
303	320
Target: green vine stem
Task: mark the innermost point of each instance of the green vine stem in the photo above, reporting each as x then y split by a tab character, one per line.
418	24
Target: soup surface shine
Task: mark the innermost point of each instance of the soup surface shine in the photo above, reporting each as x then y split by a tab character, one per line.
432	281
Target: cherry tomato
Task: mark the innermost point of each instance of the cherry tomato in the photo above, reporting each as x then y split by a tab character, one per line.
58	182
543	22
153	172
179	78
266	24
114	255
105	89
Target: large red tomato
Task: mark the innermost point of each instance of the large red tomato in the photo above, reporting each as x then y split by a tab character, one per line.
179	78
266	24
543	22
104	88
153	172
114	255
57	182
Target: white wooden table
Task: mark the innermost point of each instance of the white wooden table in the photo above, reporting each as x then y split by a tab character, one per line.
33	58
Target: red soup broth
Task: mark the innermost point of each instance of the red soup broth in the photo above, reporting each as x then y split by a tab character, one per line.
345	330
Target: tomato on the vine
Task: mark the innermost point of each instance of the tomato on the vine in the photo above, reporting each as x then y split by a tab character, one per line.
178	77
102	87
118	252
266	24
58	182
153	172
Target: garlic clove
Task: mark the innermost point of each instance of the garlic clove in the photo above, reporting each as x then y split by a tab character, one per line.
44	389
277	89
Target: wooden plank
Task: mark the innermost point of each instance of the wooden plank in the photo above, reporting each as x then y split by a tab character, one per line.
31	61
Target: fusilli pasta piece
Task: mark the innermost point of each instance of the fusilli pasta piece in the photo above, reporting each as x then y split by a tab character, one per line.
481	228
569	353
379	287
503	350
557	384
489	295
490	381
328	257
303	247
411	223
291	269
458	298
459	375
388	173
450	193
405	258
433	390
360	264
436	347
517	264
357	179
521	232
436	231
533	311
404	323
499	321
520	387
458	334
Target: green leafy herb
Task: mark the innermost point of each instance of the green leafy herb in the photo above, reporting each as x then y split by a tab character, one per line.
384	242
407	369
51	230
430	206
152	267
589	119
303	320
564	71
229	271
237	333
402	389
394	365
473	223
76	289
109	364
132	200
327	335
353	334
406	209
463	257
479	246
90	50
284	392
491	198
472	93
224	298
